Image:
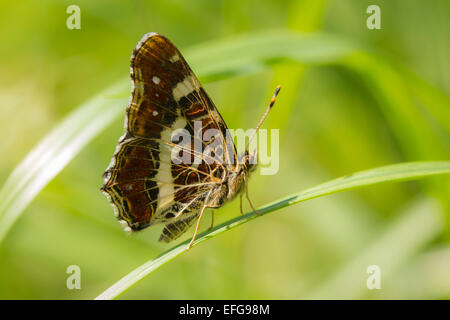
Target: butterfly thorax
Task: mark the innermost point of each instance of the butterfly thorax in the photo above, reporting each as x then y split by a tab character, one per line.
235	182
239	176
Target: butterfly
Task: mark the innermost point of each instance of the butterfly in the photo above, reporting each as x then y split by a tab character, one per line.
146	182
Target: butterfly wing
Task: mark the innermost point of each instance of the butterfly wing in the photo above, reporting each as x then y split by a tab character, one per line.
143	182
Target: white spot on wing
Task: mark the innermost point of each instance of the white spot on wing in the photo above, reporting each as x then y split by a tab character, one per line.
174	58
156	80
125	226
155	113
138	89
183	88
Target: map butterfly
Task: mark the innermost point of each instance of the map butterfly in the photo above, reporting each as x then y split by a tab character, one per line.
144	182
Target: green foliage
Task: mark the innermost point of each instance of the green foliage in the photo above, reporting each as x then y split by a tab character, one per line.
352	99
393	173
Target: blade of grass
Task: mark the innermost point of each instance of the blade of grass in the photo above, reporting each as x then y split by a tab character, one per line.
304	16
390	89
391	173
251	52
53	153
436	102
416	113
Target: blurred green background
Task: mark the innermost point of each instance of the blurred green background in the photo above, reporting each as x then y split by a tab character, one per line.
335	118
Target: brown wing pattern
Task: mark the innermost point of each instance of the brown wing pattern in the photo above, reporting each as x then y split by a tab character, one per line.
142	181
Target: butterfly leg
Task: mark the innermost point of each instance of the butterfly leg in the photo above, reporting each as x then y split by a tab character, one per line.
240	204
248	198
212	220
196	228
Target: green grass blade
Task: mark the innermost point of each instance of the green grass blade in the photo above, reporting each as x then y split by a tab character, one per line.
252	52
53	153
390	88
391	173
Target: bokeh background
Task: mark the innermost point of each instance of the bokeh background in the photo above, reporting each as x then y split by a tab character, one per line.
335	118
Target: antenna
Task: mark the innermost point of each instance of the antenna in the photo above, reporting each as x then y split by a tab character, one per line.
272	102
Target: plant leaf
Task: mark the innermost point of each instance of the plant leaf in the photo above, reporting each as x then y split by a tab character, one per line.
391	173
53	153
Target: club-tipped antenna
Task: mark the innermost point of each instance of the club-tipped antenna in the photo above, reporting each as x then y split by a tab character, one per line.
272	102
